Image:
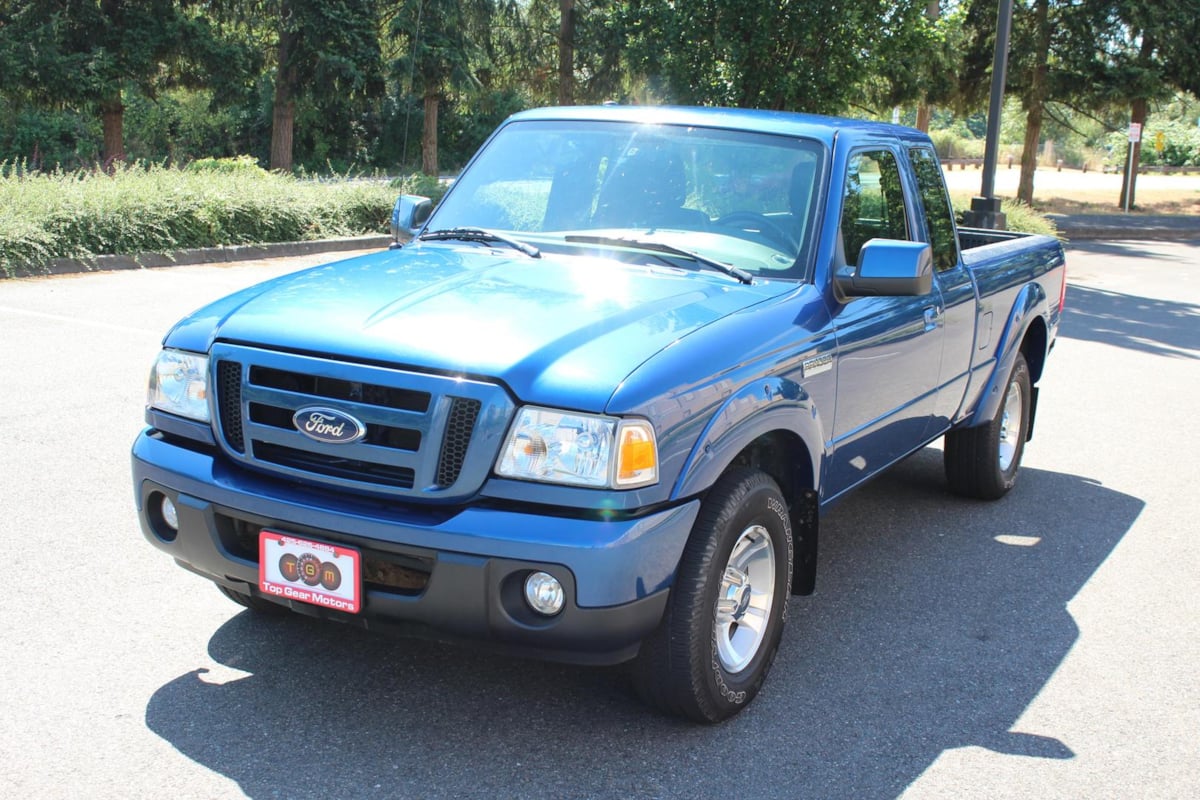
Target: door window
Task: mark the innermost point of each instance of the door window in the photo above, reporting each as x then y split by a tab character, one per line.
939	220
874	203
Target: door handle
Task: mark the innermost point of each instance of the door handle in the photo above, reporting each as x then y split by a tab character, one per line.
931	318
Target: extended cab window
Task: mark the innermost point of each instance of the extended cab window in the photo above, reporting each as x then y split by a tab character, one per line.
939	220
874	202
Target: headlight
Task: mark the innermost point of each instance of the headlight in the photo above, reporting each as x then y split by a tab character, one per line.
179	384
579	449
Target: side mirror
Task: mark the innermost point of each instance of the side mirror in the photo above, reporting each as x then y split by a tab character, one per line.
409	214
890	268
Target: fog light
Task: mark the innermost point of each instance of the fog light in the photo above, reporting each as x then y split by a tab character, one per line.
169	514
544	593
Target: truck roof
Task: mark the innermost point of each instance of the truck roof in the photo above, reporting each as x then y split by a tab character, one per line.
811	126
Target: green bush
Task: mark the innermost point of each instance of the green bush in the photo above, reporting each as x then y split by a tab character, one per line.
419	184
1181	145
1018	216
47	138
950	144
238	165
178	125
152	208
1021	217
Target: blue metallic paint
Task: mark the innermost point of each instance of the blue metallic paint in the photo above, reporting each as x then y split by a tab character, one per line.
1029	305
561	331
614	561
714	364
700	411
1010	279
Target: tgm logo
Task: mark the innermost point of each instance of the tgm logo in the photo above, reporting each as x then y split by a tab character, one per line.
311	570
328	425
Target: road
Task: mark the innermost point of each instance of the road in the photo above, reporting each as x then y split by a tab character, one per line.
1042	646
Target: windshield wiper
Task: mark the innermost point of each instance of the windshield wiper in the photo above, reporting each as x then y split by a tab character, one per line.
479	235
659	247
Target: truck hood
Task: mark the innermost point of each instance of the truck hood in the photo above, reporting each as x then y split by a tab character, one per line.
562	329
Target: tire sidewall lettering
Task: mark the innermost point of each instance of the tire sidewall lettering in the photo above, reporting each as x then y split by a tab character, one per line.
764	508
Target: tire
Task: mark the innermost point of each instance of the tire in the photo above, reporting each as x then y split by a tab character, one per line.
255	604
982	462
720	633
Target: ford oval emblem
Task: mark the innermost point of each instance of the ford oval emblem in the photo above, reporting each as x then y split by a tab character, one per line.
328	425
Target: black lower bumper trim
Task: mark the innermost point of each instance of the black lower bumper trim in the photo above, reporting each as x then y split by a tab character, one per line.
467	598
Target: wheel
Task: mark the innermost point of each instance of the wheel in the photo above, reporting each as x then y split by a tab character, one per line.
256	604
982	462
717	640
760	224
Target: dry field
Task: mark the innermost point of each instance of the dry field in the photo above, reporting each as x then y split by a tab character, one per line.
1075	192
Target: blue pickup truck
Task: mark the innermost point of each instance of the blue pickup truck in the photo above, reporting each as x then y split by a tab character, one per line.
592	405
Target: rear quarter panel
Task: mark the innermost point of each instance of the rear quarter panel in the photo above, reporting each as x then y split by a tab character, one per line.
1021	282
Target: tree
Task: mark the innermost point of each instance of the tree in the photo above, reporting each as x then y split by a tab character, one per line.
566	52
585	40
446	45
933	11
913	58
323	50
1150	53
1087	55
805	56
1051	43
83	54
1037	90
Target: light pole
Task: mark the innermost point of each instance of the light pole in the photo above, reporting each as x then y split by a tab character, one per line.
985	209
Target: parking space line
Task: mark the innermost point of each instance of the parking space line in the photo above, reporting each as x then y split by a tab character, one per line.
76	320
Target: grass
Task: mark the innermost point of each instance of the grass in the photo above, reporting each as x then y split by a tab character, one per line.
1072	191
149	208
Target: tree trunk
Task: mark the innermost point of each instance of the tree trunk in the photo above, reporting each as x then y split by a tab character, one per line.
1137	113
924	112
933	10
1035	102
429	136
112	116
283	113
1029	153
566	52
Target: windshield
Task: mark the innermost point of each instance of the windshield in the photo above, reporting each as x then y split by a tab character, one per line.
744	199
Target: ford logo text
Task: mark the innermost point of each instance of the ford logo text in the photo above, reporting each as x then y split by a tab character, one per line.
328	425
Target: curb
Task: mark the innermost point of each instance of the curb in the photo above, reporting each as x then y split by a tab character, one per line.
202	255
1116	227
1093	234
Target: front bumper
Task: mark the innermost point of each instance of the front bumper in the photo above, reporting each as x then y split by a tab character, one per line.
449	574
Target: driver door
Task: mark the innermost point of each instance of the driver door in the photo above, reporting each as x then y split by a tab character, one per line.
889	348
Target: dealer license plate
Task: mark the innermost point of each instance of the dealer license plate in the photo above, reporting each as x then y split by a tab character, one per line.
325	575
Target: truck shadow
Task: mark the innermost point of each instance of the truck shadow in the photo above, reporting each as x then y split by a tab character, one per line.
1148	325
936	623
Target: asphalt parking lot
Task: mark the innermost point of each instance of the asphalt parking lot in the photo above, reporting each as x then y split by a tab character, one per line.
1042	646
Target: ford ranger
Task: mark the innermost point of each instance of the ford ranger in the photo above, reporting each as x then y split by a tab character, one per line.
592	406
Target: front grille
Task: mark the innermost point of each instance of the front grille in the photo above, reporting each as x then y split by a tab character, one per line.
333	467
381	435
338	389
421	431
229	392
463	413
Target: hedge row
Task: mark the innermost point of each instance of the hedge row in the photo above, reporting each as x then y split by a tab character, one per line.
148	208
